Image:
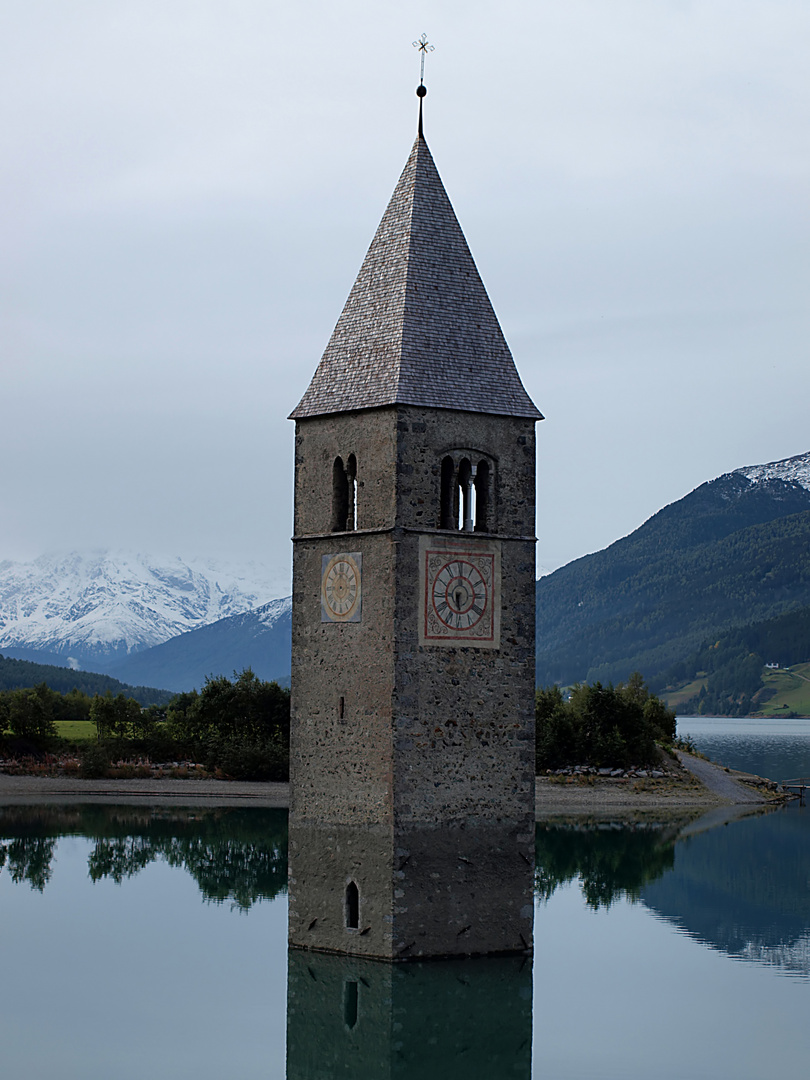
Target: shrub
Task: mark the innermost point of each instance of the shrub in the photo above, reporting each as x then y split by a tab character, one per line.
94	761
160	746
239	760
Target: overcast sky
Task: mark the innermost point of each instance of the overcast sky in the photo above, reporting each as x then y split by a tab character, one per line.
188	190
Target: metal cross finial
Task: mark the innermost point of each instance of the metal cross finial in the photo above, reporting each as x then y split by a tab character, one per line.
423	46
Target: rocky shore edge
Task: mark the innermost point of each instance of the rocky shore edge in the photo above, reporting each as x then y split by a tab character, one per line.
689	784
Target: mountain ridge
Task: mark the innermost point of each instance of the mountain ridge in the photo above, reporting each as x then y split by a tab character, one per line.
644	601
94	608
260	639
796	469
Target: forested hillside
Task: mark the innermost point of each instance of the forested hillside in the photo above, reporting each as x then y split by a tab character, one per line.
732	552
730	670
20	674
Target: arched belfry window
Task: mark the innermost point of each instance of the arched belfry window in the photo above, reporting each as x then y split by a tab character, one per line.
482	496
466	508
449	500
351	483
466	499
352	906
340	496
344	494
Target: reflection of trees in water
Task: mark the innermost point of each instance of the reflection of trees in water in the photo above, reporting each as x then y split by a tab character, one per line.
29	859
241	854
740	888
226	869
233	854
611	860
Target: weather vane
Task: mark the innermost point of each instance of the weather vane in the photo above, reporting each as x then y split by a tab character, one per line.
424	47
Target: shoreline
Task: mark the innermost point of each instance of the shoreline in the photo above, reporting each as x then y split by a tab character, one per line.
32	790
702	786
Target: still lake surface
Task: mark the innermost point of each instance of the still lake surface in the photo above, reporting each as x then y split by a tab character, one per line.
151	941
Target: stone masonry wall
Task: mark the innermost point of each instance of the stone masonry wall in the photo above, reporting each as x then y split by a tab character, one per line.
369	435
341	766
435	739
464	717
323	860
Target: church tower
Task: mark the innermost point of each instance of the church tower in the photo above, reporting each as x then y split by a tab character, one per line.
412	732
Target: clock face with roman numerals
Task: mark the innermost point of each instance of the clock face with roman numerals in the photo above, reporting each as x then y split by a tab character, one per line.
341	587
460	595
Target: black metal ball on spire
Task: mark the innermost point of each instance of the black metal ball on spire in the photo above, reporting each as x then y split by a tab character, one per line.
424	47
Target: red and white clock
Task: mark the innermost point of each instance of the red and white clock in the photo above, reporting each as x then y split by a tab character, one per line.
460	595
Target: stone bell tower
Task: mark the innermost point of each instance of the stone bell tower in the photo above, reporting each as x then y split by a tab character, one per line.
412	739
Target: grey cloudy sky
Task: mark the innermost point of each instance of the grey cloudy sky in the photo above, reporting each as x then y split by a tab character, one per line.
188	189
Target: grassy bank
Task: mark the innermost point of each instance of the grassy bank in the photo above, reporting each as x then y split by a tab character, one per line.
790	692
76	731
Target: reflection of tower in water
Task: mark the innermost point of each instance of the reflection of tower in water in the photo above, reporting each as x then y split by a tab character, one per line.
348	1017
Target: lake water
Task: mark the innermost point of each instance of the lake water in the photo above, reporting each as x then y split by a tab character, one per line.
778	749
146	941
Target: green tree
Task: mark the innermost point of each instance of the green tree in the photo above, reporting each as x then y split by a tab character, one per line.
116	716
241	726
246	709
30	713
181	718
601	725
74	705
102	713
558	734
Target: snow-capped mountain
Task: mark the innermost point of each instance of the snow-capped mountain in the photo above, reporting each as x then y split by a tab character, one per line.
94	608
793	469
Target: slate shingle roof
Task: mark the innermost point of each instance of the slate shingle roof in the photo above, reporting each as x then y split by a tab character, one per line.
418	327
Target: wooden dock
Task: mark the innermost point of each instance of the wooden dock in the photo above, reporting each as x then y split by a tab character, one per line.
798	786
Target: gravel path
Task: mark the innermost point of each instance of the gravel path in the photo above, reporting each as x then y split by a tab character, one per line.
716	779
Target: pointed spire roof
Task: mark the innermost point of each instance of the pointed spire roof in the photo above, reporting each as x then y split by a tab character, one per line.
418	327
